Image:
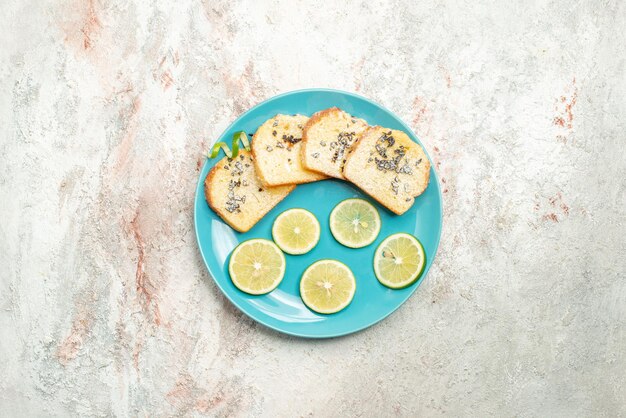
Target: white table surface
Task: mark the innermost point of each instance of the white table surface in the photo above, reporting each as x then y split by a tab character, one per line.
106	109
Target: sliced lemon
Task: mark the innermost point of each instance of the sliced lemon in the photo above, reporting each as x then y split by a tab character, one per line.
296	231
399	261
327	286
355	223
257	266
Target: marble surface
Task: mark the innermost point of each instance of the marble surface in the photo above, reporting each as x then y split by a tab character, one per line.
107	108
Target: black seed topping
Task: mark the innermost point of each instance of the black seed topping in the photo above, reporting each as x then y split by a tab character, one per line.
238	169
381	150
405	169
290	139
386	137
395	183
391	164
400	151
234	202
344	140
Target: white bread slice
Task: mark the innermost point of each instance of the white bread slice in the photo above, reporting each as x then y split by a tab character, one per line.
233	190
276	150
327	138
388	166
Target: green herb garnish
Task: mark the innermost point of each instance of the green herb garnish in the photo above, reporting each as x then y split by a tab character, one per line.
237	136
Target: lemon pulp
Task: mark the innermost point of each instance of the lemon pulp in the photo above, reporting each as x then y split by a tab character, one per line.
256	266
355	223
327	286
399	260
296	231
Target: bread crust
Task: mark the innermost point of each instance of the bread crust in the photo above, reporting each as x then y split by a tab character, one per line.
356	178
313	120
357	144
316	118
246	224
255	157
305	150
211	202
304	174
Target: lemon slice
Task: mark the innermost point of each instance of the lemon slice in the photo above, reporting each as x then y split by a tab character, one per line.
257	266
355	223
327	286
399	261
296	231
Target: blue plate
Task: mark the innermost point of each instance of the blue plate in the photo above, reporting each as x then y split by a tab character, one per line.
282	309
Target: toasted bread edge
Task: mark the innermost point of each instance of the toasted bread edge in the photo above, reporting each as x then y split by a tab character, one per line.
355	180
305	137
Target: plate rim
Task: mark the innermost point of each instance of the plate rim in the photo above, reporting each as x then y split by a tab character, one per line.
200	190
